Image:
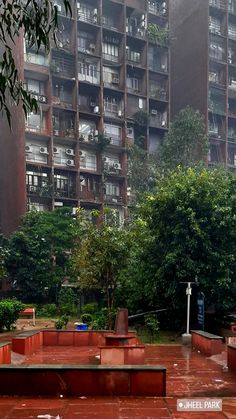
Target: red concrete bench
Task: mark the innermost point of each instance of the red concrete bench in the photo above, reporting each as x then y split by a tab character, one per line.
207	343
27	343
83	380
231	356
5	353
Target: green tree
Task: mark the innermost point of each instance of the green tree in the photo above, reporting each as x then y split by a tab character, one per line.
186	142
102	255
39	252
36	21
3	255
192	228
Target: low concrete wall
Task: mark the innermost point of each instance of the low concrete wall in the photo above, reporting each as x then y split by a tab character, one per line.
27	343
92	380
5	353
207	343
122	355
231	356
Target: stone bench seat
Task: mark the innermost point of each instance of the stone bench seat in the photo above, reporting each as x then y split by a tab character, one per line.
207	343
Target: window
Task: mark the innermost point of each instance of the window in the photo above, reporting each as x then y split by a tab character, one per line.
86	130
114	132
35	86
133	55
88	161
133	83
88	72
110	51
112	189
35	122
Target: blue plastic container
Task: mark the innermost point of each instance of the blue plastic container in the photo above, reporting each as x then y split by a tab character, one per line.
82	326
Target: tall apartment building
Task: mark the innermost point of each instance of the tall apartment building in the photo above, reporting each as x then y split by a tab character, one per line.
203	61
103	70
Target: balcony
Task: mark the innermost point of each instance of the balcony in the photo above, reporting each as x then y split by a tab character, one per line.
64	187
215	25
232	31
112	109
133	56
219	4
37	129
216	51
63	124
89	72
111	77
157	7
158	92
110	22
232	7
113	199
90	195
42	191
63	67
87	13
158	119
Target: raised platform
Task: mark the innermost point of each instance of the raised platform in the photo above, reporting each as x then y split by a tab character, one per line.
207	343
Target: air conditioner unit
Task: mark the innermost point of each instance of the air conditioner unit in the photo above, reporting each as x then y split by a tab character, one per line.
115	80
163	123
55	150
82	138
96	132
70	152
32	188
82	154
95	12
106	165
29	149
96	109
56	131
42	98
130	132
43	150
58	7
154	112
120	113
163	67
70	162
91	48
117	166
106	159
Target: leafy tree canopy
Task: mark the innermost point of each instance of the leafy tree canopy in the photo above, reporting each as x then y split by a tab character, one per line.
100	257
186	142
39	252
192	232
36	20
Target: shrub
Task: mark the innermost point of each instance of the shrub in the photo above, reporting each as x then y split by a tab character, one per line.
87	318
67	296
48	310
9	313
90	308
68	310
152	325
101	320
59	324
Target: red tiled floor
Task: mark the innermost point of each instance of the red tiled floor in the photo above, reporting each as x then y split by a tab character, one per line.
189	374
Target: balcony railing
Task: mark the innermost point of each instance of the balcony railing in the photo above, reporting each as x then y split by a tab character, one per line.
88	14
112	109
62	132
56	100
115	140
66	192
87	195
109	22
157	8
42	191
89	75
63	67
220	4
113	199
158	120
158	92
36	129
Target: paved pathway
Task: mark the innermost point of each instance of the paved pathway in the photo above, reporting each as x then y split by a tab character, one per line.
189	374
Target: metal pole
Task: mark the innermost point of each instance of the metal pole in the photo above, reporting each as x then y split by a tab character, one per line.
188	292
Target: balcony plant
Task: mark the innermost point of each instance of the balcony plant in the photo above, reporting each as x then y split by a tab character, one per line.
158	35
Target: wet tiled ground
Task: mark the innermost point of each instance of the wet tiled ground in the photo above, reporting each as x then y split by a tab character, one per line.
105	408
189	374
